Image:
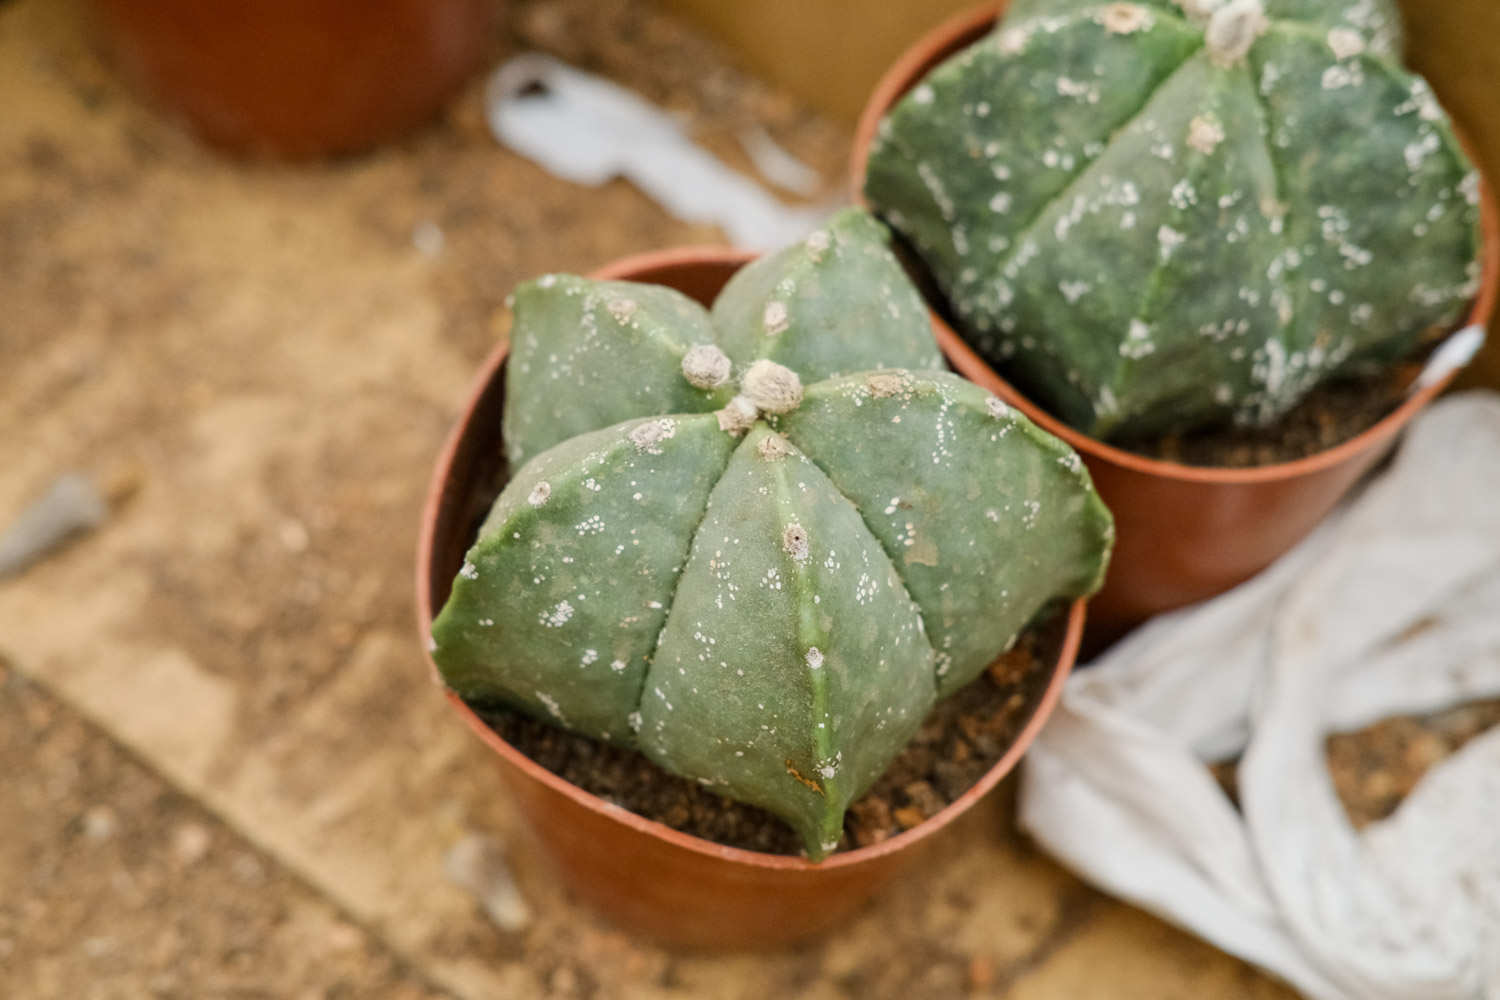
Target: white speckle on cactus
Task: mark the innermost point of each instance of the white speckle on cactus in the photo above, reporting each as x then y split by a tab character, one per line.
591	525
552	707
589	657
431	644
1000	203
1183	195
558	616
1075	88
771	387
1072	291
814	658
1137	343
996	407
935	188
1012	41
992	515
1338	77
1169	239
794	541
633	720
1205	133
469	571
546	281
923	94
1418	152
1469	187
486	623
705	366
618	666
1123	18
1345	43
817	242
648	437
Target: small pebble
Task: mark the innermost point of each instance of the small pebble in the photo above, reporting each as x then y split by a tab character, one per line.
190	842
99	823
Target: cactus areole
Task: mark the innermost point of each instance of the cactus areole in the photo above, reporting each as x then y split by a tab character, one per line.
756	544
1166	214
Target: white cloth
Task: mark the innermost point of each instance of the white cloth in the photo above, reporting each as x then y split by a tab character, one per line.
1391	607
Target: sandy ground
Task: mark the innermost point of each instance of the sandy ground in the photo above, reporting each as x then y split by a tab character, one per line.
226	772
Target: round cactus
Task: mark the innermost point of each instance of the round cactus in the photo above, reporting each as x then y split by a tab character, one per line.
767	589
1172	213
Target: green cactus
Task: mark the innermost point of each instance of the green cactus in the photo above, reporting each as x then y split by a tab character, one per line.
766	590
1175	213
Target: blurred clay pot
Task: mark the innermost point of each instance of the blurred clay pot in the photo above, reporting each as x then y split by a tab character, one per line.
1184	533
678	889
298	78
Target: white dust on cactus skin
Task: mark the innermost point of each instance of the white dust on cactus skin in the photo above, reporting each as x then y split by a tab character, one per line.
737	416
1123	18
1232	29
648	437
1346	43
706	367
771	387
539	493
794	540
469	571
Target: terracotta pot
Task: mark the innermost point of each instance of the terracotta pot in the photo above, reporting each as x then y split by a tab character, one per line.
298	78
679	889
1184	533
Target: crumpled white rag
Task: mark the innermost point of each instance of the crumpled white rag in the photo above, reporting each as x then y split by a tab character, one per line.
1391	607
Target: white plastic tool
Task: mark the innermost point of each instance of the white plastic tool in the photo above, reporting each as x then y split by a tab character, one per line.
587	130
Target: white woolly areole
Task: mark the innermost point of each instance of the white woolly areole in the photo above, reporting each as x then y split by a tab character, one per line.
771	387
794	541
738	415
648	437
1233	29
1123	18
705	366
773	447
1205	133
539	493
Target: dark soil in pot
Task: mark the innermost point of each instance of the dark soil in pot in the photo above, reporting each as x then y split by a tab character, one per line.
1331	414
963	738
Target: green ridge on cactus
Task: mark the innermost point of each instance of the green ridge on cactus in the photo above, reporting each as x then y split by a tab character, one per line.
793	666
1169	214
809	307
766	598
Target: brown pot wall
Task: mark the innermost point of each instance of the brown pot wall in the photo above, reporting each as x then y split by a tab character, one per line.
298	78
1184	533
678	889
